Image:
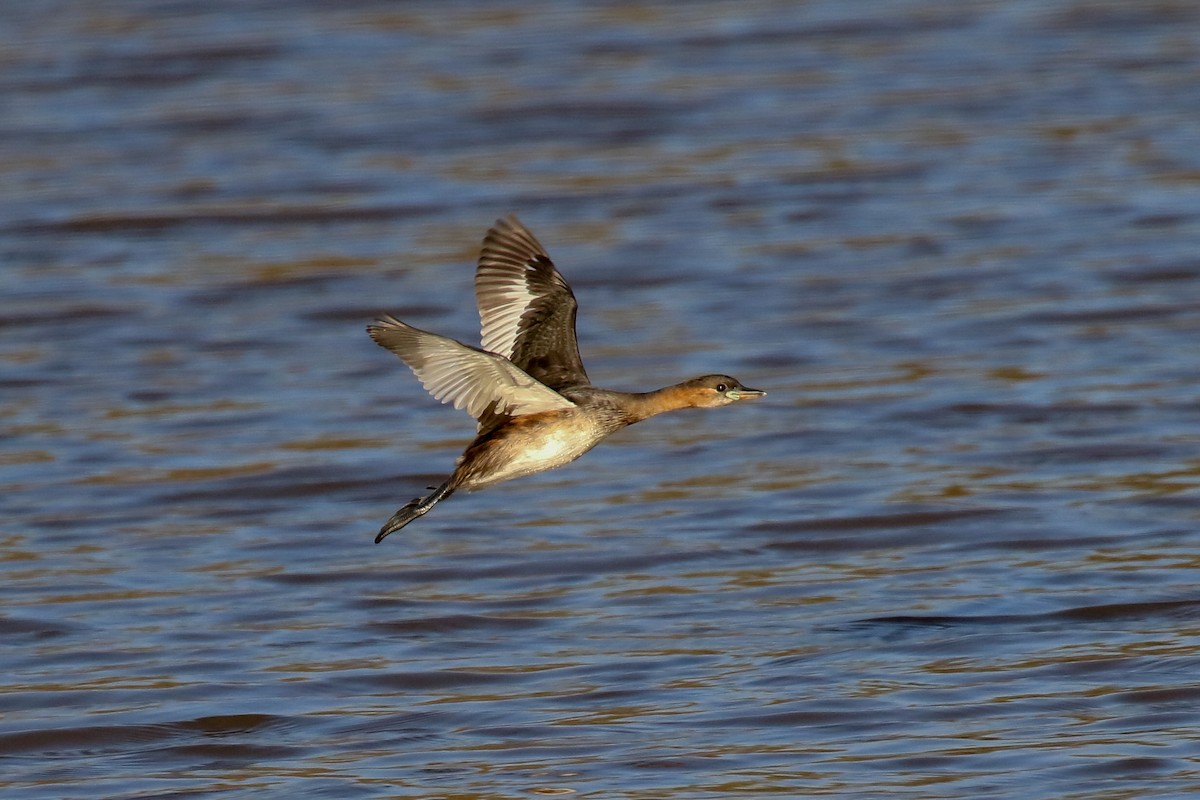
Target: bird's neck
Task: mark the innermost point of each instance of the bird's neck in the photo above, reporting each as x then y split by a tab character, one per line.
650	404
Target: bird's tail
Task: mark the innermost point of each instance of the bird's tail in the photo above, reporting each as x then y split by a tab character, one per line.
419	507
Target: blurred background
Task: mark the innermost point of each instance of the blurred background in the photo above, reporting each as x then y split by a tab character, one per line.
953	553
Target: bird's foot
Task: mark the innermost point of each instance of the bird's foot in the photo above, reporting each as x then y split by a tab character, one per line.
417	507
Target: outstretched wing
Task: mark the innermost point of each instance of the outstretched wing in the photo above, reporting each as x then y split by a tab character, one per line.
488	386
526	309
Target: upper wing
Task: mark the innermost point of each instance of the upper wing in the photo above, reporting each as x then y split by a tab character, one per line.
487	386
526	308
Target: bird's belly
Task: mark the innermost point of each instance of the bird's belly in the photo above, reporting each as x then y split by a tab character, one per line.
552	450
514	457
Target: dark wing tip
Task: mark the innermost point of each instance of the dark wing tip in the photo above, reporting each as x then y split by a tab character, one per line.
380	327
504	226
510	241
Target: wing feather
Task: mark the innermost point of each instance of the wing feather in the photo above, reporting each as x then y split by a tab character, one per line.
484	384
526	309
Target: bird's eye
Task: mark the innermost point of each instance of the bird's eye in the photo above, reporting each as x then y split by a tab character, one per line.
721	387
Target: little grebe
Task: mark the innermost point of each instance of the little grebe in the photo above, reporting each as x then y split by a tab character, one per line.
535	406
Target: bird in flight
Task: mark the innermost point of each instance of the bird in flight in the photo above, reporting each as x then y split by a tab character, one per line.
526	387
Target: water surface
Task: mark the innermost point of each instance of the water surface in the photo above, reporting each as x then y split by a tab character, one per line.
952	554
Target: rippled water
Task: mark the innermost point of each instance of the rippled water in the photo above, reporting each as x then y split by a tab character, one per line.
954	553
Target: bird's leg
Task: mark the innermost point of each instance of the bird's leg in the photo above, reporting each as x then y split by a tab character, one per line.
418	507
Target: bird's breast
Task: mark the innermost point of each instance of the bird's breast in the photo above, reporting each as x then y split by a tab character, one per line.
526	447
553	448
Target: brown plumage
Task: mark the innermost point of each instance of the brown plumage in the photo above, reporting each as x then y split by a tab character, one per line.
526	387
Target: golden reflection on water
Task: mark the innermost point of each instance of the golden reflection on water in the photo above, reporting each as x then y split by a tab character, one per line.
185	475
953	553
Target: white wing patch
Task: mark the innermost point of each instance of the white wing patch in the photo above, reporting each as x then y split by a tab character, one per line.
503	290
507	296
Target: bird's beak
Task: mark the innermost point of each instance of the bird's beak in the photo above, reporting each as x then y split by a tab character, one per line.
744	393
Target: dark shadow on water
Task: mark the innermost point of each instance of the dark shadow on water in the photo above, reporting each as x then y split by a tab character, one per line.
1166	610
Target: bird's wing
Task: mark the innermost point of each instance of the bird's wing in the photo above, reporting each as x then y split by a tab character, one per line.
526	309
488	386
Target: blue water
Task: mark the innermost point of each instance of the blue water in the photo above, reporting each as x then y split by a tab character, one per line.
952	553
